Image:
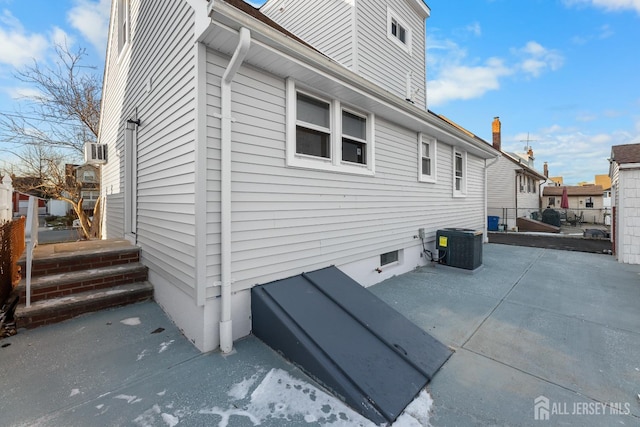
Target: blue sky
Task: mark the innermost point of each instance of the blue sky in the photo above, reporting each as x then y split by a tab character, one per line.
564	74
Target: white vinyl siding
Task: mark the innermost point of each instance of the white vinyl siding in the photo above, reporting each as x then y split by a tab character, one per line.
380	57
504	195
156	83
356	34
501	189
290	220
326	25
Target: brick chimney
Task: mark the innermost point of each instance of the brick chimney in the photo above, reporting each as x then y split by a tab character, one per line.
497	139
546	170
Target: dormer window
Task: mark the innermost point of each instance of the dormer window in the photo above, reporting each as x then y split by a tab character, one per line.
123	24
398	31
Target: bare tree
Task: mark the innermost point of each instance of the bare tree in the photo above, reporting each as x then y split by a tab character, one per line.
52	129
42	171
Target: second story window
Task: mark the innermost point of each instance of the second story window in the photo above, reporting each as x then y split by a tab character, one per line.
123	24
398	31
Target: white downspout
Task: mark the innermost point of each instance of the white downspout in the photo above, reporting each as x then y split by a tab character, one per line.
486	207
226	335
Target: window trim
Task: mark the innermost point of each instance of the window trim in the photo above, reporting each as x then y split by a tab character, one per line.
433	156
123	18
392	16
334	163
463	183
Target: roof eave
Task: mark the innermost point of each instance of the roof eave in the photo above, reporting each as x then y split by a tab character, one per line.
271	40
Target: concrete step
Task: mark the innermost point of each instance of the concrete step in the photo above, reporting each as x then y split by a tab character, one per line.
74	256
73	282
56	310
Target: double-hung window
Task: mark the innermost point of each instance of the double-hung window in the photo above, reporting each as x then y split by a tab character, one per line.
459	173
313	126
354	138
398	31
324	134
426	158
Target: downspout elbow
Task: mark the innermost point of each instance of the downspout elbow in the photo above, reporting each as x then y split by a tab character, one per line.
244	42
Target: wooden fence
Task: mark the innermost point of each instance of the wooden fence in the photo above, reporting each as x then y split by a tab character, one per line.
12	246
6	201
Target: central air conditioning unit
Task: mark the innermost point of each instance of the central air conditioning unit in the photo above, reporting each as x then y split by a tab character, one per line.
460	247
95	154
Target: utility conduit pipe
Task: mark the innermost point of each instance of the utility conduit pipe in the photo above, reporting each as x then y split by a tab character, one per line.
226	331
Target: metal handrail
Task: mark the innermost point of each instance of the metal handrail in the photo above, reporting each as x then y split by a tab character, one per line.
31	241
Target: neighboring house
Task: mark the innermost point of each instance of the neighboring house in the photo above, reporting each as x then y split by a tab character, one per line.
88	177
240	154
585	200
624	170
31	186
558	180
605	182
513	186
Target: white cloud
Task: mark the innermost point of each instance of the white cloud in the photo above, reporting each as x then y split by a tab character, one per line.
18	47
608	5
59	37
455	77
91	18
573	154
457	81
18	93
474	29
537	59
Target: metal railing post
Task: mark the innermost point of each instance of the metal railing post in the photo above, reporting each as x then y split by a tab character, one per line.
31	241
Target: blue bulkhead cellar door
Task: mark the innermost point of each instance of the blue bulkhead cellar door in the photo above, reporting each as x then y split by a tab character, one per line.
348	339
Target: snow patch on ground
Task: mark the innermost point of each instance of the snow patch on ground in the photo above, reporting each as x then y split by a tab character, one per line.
240	390
165	345
170	420
74	392
282	396
277	397
131	321
128	398
417	412
141	355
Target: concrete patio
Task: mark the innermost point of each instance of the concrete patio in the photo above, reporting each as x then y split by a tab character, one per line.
560	326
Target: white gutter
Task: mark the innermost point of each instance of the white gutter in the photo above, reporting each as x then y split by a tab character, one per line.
226	335
486	207
305	56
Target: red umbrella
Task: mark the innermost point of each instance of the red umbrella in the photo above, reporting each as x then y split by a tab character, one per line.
564	202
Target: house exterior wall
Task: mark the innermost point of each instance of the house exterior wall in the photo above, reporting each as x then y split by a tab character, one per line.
152	79
626	183
504	193
288	220
326	25
284	219
354	33
381	60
